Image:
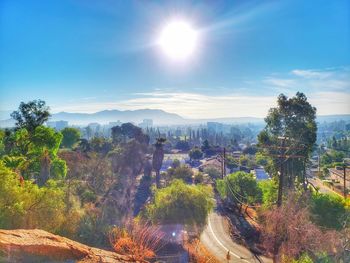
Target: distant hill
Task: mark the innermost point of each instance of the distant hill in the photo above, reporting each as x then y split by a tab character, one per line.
159	117
331	118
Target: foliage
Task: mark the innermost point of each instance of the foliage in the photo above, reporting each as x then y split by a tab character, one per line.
293	124
305	258
239	187
28	206
157	160
70	137
31	115
231	162
2	143
198	178
195	153
261	159
247	161
328	158
181	204
182	145
251	150
182	172
100	145
213	172
288	231
207	149
198	253
328	210
92	230
58	169
137	240
128	131
34	154
269	192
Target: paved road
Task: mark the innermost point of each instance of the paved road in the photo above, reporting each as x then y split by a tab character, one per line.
323	188
217	240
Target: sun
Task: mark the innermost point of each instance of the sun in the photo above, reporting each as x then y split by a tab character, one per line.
178	40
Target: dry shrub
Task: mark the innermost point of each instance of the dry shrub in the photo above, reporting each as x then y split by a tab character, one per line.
198	253
139	241
288	232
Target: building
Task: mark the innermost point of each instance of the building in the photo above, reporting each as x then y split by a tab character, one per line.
146	123
260	174
58	125
215	127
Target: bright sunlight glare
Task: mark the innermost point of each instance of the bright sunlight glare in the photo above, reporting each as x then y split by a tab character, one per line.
178	40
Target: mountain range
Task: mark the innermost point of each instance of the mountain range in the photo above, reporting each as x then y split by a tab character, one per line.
159	117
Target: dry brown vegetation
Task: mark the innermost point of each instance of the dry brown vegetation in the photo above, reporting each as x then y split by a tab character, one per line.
198	253
287	232
138	240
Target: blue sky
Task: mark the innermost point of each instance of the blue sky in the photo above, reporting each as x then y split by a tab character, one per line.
86	56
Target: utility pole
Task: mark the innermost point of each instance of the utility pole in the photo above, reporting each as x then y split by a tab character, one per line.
344	170
283	156
224	160
280	183
319	160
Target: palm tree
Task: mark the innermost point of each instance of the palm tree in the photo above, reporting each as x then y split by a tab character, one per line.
158	157
45	165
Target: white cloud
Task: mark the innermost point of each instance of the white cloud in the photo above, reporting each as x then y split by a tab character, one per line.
330	102
312	73
195	105
327	90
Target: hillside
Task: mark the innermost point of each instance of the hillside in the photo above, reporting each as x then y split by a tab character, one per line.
35	245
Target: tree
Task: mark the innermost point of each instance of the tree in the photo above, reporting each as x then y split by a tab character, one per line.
70	137
158	156
240	188
207	149
31	115
290	128
328	210
231	162
182	145
182	172
28	206
213	172
195	153
180	203
128	131
269	192
38	151
288	232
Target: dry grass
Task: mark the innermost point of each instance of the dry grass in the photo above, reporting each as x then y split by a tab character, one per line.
198	253
137	240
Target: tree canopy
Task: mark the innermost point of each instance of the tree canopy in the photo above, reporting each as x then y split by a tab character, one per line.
290	127
195	153
28	206
70	137
31	115
180	203
239	187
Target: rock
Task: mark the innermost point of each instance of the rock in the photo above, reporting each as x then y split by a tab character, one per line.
35	245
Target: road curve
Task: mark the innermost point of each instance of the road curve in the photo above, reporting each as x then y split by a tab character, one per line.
217	240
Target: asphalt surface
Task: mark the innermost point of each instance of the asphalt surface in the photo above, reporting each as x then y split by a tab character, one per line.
322	188
217	240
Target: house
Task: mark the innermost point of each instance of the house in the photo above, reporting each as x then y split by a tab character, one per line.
260	174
